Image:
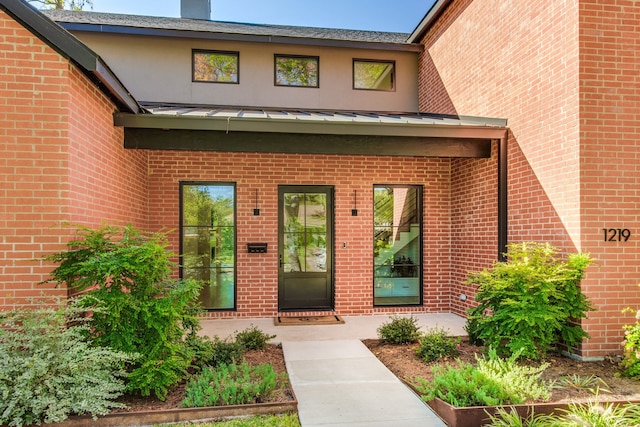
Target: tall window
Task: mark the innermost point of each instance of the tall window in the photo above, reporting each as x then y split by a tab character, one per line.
373	75
216	66
208	246
397	237
296	71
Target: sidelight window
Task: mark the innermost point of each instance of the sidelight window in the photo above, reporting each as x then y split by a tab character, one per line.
208	241
397	238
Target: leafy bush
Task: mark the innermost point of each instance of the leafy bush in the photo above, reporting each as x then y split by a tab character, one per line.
253	338
226	352
630	364
531	302
518	380
136	304
230	385
436	344
464	386
49	370
493	381
399	330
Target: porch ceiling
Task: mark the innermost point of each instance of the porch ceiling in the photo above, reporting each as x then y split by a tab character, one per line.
303	131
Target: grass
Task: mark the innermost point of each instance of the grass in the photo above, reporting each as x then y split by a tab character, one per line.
286	420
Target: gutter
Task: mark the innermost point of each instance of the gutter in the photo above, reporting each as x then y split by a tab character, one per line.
428	20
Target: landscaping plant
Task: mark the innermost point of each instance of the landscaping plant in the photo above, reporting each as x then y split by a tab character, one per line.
530	303
493	381
592	414
137	306
48	370
630	364
230	385
253	338
436	344
399	330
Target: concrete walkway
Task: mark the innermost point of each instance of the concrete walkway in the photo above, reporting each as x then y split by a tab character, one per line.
336	379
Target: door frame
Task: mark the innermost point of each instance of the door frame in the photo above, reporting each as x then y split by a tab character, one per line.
329	190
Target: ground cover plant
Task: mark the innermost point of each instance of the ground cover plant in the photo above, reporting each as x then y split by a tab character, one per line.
591	414
531	303
41	351
233	384
491	381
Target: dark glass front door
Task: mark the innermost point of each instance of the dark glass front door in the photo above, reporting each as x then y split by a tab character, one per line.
305	248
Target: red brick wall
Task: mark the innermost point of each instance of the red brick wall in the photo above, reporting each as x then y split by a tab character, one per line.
33	160
107	184
610	159
565	77
59	154
257	280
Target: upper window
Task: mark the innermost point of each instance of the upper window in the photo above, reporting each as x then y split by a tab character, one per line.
373	75
302	71
216	66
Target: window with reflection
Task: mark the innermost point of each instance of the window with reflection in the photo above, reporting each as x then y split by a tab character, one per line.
373	75
397	238
305	232
215	66
302	71
208	241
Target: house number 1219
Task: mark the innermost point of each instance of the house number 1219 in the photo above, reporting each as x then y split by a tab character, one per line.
616	234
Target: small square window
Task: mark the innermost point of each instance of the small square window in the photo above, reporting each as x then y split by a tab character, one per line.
373	75
216	66
301	71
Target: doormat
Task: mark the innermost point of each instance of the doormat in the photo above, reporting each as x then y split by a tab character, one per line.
308	320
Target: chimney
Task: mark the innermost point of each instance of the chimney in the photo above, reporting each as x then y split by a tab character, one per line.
195	9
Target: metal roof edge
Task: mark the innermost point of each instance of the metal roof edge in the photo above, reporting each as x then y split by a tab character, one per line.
307	41
67	45
428	19
250	124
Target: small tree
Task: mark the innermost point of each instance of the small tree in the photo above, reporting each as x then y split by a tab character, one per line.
61	4
531	302
136	305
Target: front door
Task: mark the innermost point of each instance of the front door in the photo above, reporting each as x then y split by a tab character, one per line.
305	247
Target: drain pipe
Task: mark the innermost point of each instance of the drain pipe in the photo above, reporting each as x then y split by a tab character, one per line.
502	197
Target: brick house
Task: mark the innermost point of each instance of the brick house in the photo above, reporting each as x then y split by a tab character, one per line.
307	170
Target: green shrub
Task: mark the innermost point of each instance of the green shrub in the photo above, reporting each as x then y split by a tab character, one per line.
493	381
253	338
531	302
226	352
436	344
464	386
230	385
518	380
399	330
49	371
630	364
137	306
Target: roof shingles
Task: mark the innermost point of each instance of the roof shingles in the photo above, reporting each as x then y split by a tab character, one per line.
222	27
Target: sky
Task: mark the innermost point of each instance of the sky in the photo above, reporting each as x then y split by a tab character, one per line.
377	15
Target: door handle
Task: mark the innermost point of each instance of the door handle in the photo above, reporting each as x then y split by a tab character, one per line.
281	262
